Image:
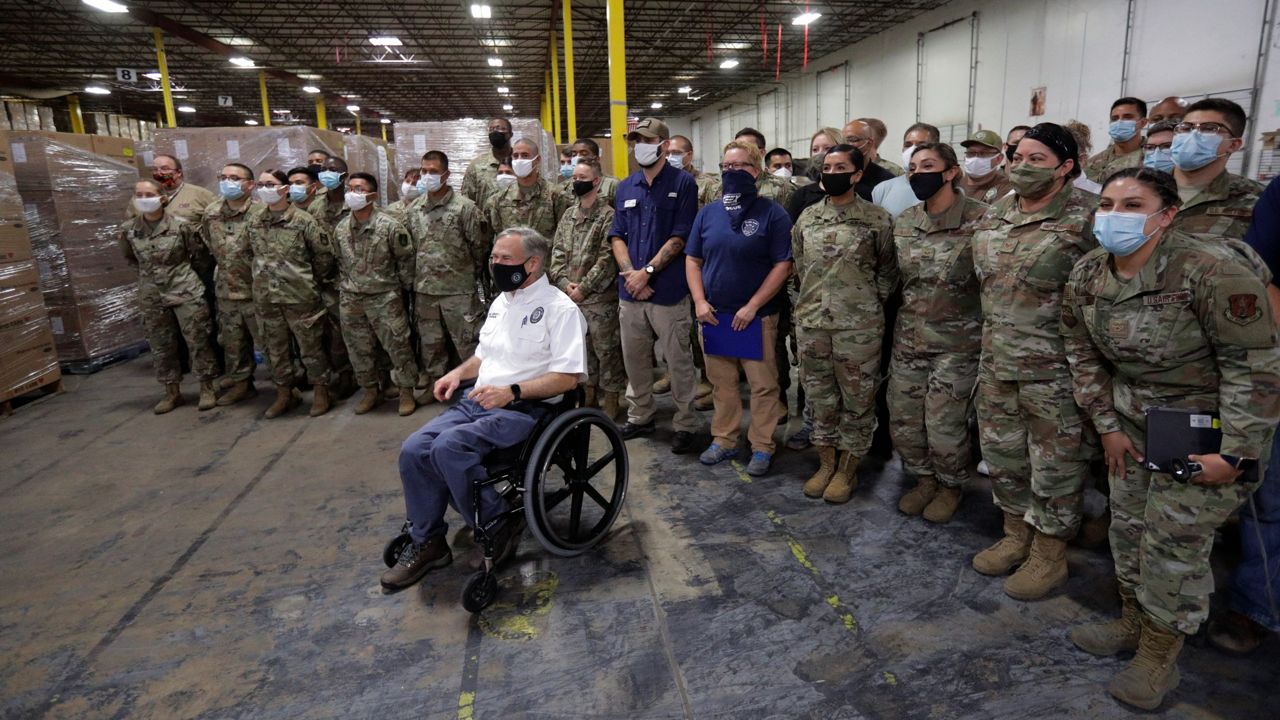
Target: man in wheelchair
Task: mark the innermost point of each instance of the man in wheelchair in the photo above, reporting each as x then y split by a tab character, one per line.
532	347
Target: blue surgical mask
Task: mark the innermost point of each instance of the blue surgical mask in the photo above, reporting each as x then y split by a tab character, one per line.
566	171
1120	233
1194	150
297	193
230	189
1161	160
1123	130
331	179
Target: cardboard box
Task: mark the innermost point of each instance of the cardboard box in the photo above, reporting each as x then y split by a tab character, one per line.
18	274
15	243
28	366
117	148
22	317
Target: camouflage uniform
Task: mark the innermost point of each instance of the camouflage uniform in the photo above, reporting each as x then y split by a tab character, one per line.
845	260
708	187
1223	209
1193	330
538	206
224	231
1110	161
937	341
768	186
581	253
375	260
169	256
399	209
607	193
292	257
990	189
1032	433
452	253
328	215
891	166
188	203
478	179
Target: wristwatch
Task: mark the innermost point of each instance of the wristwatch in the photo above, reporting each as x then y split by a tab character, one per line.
650	270
515	392
1241	464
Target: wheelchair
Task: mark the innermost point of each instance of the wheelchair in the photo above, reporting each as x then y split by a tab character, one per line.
573	453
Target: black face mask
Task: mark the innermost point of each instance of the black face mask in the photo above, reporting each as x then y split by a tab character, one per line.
836	184
508	277
926	184
498	139
582	187
1008	152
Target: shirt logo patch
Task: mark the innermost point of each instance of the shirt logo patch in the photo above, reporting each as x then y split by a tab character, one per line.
673	194
536	315
731	201
629	203
1243	309
750	227
1167	298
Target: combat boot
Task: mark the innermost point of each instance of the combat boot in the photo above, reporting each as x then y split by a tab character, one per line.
407	403
1115	636
320	401
1094	531
1044	570
345	386
284	402
590	399
844	481
943	505
611	406
1009	550
914	502
390	390
242	390
371	398
817	483
172	398
1153	672
208	396
226	383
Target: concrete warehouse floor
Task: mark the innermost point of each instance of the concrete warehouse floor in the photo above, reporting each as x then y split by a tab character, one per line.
215	565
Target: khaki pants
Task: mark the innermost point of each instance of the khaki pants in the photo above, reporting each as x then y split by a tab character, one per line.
639	323
762	378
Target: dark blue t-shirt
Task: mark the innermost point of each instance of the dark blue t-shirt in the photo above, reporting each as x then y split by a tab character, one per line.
735	264
646	216
1264	232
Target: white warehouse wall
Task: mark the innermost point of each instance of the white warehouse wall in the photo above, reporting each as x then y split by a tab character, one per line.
1074	48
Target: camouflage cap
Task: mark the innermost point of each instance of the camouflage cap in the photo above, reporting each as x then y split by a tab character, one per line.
984	137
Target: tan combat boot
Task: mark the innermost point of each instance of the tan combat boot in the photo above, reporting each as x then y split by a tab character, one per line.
172	398
321	402
663	386
844	481
943	505
1094	531
611	406
242	390
817	483
407	403
1009	550
371	398
344	386
226	383
1153	672
1044	570
283	403
208	396
704	389
914	502
1115	636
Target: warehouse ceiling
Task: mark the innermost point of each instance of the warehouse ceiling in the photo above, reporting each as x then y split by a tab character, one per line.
440	71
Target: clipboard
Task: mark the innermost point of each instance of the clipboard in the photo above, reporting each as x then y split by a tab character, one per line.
723	340
1173	434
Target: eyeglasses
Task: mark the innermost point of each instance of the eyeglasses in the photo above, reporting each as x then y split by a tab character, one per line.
268	185
857	141
1208	128
1162	146
725	167
232	178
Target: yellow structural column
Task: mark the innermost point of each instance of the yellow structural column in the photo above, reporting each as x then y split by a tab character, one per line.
570	107
77	118
322	120
617	85
384	131
266	107
555	87
546	101
358	131
169	113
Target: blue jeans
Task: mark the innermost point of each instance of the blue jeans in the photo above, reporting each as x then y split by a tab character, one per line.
440	460
1248	584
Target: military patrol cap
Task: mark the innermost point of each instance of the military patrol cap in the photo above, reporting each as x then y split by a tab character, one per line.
984	137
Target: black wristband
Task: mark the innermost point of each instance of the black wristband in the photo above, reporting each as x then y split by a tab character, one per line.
515	392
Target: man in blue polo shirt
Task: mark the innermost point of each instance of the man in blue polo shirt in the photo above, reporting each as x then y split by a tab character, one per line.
654	210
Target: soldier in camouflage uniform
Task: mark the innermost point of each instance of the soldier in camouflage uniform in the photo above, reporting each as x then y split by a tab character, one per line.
937	339
408	193
329	209
478	179
587	149
292	257
1032	433
1128	116
1176	322
844	257
169	256
452	250
223	230
582	265
531	201
376	265
1214	202
984	179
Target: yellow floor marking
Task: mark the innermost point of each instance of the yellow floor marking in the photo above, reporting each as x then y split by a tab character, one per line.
798	552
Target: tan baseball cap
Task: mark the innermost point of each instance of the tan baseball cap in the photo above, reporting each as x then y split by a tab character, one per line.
651	129
984	137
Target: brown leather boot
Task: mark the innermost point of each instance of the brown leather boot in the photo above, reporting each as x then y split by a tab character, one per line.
371	398
828	457
1153	672
611	406
844	481
415	561
320	400
242	390
943	505
407	403
1009	550
208	396
283	403
1044	570
1114	636
172	399
914	502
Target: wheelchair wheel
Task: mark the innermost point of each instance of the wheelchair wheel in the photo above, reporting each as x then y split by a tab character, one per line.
391	553
580	458
479	592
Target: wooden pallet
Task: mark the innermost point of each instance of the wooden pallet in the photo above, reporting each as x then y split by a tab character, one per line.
50	383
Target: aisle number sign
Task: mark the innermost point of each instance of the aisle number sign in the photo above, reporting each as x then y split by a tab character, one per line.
224	101
127	75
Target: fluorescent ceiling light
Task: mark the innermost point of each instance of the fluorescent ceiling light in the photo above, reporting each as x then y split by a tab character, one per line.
656	106
236	41
496	42
106	6
353	108
733	45
97	90
186	109
250	122
310	89
503	90
309	76
684	90
729	64
495	62
153	76
386	121
805	18
281	112
242	62
386	41
508	107
482	12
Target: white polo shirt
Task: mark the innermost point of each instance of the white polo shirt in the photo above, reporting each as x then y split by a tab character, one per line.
531	332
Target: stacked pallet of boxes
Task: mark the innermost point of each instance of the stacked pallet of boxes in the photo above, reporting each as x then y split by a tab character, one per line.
28	356
73	201
463	140
366	154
